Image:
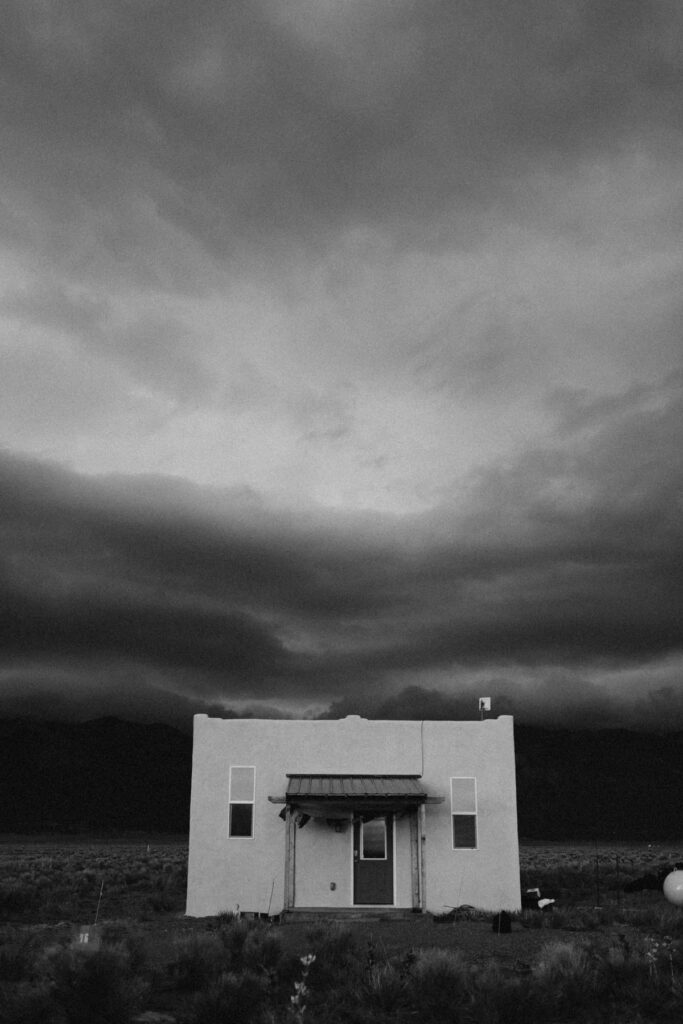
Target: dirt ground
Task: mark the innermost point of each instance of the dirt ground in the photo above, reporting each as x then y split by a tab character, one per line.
477	939
391	938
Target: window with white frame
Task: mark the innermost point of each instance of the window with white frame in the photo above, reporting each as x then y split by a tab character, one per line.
464	813
242	787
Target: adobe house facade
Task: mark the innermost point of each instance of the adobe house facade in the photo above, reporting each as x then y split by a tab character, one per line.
352	813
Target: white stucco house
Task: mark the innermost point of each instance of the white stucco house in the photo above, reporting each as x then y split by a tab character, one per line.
352	813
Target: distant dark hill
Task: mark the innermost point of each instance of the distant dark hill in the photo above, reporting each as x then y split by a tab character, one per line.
606	784
113	776
104	775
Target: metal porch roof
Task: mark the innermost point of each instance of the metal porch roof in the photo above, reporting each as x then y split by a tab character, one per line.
341	788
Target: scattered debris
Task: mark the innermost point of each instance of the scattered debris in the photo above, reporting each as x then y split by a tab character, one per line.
532	900
465	912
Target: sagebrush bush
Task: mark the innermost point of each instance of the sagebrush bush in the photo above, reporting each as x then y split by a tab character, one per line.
255	947
498	998
232	999
225	918
621	971
335	977
554	918
161	902
336	945
29	1003
16	955
670	921
16	899
262	950
127	940
384	989
439	984
233	936
197	961
559	962
563	978
339	958
96	988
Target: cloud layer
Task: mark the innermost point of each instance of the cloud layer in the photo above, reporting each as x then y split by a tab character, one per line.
341	351
554	582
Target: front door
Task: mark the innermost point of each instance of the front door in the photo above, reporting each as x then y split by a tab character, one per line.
373	861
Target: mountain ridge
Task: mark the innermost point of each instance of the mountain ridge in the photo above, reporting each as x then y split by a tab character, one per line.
113	776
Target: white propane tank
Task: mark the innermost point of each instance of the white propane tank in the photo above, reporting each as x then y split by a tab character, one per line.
673	888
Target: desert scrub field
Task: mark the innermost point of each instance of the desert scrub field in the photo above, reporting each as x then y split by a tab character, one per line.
620	960
593	873
46	881
243	971
50	881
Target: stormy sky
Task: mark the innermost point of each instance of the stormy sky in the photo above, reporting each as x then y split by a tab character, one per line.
341	362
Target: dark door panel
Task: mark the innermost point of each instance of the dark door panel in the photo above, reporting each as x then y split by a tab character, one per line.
373	861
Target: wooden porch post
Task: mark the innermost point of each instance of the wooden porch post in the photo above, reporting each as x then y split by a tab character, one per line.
290	858
415	860
421	845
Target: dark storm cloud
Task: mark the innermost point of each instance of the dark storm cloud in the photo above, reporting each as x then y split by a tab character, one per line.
562	700
65	623
226	115
72	585
548	703
561	564
420	259
74	692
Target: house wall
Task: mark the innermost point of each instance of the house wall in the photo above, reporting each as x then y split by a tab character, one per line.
487	877
226	872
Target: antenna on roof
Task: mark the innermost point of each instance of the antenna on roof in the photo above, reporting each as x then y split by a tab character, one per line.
484	705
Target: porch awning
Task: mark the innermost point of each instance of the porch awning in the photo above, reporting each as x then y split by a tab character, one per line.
355	787
341	794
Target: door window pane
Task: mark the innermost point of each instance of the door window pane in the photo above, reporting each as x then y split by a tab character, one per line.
374	839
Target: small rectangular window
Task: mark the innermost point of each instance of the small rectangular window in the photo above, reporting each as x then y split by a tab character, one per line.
242	788
374	839
464	813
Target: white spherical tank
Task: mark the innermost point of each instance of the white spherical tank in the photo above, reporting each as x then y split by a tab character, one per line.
673	888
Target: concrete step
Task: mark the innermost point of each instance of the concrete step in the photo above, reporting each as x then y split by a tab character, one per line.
316	914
